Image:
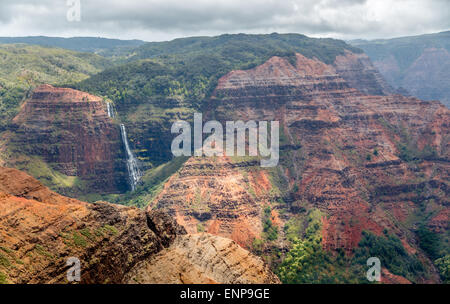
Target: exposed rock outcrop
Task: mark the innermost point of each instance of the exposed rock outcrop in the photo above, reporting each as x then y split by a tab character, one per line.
202	259
342	151
359	72
215	196
40	230
70	131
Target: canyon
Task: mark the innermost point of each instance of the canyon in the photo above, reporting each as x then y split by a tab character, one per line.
40	230
342	151
353	153
69	131
415	65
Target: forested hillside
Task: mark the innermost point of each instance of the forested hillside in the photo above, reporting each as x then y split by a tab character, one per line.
101	46
22	67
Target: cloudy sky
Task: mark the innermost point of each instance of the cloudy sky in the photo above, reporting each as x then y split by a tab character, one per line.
155	20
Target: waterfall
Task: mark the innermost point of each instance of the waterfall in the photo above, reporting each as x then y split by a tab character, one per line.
110	110
134	173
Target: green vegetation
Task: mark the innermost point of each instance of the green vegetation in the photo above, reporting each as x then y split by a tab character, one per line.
392	254
79	240
307	262
243	47
3	278
257	246
430	242
443	265
190	67
270	231
87	234
4	261
151	184
41	170
407	145
294	228
28	65
409	152
42	251
167	81
10	99
22	67
200	227
157	84
111	229
101	46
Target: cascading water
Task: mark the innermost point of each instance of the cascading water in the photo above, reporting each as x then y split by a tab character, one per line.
134	173
110	110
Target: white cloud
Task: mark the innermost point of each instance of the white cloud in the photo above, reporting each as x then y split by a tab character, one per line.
165	19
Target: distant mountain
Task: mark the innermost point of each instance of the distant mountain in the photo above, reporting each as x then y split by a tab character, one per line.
246	47
419	64
361	173
101	46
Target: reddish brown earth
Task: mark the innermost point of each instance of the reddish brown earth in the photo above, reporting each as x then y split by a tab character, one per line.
214	196
358	71
220	261
389	278
70	131
339	153
40	230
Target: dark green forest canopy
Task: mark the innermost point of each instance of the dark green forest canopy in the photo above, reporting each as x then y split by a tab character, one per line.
101	46
23	67
189	68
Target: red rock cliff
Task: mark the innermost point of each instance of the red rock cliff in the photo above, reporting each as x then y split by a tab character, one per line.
71	131
40	230
342	151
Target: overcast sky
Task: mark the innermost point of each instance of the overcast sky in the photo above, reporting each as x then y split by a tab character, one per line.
155	20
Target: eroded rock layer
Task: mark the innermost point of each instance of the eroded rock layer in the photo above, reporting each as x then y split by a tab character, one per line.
215	196
369	162
71	131
202	259
41	230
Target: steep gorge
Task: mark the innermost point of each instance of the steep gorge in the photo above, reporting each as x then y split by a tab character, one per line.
368	162
40	230
69	132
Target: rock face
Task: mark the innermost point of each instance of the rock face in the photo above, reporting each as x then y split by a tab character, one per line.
426	77
70	130
348	164
359	72
215	196
40	230
202	259
368	162
419	65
